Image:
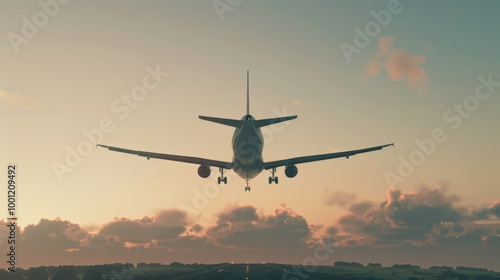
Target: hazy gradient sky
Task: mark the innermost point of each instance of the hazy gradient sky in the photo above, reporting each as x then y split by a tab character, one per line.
66	68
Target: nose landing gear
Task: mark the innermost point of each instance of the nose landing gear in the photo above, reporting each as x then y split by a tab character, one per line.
247	188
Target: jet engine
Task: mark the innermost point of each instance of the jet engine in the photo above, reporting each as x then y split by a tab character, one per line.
204	170
291	171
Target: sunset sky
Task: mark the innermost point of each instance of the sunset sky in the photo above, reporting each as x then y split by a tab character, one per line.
136	74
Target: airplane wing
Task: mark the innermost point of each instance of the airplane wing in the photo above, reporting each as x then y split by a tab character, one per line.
297	160
186	159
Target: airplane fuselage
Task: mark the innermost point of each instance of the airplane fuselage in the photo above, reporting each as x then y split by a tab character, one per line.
248	144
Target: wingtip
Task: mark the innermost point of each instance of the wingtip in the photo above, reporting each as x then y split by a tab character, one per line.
100	145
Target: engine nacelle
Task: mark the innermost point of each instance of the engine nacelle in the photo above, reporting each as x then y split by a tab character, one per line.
291	171
204	171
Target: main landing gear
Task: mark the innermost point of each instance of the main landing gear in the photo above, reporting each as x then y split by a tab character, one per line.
273	178
221	177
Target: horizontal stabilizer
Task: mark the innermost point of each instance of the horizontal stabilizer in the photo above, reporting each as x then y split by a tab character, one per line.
264	122
228	122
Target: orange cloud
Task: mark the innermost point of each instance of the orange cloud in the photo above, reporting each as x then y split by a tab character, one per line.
384	45
400	65
16	102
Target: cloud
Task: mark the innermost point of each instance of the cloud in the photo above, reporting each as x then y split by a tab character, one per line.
22	13
52	236
332	230
495	209
399	64
484	213
421	209
196	228
384	45
296	102
402	217
19	102
167	224
293	101
339	198
238	234
242	228
429	221
415	218
361	207
402	65
240	214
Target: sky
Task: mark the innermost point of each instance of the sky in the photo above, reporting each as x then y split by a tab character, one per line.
132	74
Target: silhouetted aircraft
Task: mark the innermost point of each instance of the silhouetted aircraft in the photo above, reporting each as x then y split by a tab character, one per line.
247	147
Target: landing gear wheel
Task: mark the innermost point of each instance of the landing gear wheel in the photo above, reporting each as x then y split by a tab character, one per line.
221	177
247	188
273	178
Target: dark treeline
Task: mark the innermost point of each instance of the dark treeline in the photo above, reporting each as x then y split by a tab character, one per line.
116	271
70	272
405	266
347	264
89	272
442	267
471	268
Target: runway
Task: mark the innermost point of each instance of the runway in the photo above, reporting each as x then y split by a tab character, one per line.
244	272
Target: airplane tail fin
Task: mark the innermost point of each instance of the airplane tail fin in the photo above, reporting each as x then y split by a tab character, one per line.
239	123
248	96
264	122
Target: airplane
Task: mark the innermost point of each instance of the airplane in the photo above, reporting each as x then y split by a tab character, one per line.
247	144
